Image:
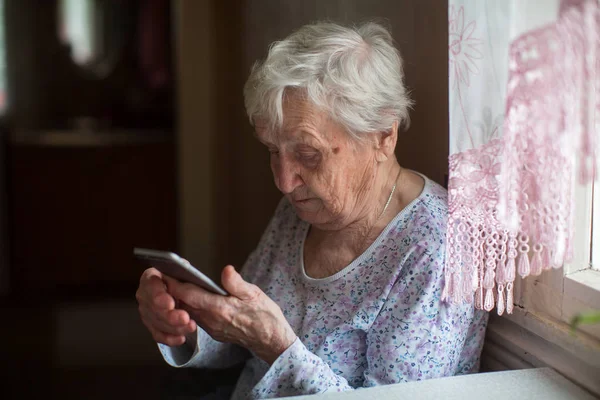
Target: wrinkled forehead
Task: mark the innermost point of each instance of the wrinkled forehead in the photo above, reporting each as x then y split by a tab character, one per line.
302	122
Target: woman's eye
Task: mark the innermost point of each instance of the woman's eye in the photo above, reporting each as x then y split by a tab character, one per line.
310	158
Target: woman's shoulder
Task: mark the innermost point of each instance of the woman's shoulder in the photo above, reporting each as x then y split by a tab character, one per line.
434	197
415	242
417	232
426	217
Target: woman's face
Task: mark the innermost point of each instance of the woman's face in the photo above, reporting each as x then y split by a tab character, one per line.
324	173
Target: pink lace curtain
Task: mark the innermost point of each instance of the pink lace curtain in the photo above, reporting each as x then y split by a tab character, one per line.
524	106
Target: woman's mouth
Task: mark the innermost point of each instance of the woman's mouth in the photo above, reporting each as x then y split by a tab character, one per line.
301	201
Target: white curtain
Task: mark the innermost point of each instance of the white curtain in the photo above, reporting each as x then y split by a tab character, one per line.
524	79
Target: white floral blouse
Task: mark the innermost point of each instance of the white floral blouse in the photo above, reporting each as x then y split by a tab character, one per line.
378	321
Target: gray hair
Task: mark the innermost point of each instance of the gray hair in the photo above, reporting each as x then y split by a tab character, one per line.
353	73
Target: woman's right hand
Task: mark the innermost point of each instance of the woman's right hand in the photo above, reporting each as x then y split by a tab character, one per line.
167	324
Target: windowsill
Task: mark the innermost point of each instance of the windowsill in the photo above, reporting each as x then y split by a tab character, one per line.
581	293
584	286
525	339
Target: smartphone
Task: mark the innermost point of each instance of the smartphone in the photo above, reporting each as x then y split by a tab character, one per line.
176	267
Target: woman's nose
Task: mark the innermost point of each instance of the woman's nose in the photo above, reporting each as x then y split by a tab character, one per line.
286	175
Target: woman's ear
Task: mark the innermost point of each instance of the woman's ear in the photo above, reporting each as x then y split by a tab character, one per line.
385	143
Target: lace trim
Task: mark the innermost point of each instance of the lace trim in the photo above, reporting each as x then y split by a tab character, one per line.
510	200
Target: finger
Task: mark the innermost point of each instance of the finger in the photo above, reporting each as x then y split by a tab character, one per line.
174	287
237	286
170	281
153	290
163	301
151	272
192	326
161	323
178	317
175	319
147	284
194	296
168	339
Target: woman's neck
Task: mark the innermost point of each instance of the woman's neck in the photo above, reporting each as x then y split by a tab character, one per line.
380	207
327	252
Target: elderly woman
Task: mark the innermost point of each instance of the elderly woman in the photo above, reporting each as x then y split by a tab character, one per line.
343	290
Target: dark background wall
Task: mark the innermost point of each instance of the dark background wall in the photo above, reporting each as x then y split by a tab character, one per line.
173	168
90	158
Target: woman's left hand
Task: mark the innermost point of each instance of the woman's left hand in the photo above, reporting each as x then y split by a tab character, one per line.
248	317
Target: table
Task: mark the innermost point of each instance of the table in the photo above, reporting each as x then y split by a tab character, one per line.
530	384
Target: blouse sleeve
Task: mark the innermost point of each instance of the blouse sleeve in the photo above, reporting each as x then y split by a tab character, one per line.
415	336
208	353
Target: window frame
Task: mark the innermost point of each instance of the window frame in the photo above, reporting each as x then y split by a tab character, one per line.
539	331
595	258
581	288
557	295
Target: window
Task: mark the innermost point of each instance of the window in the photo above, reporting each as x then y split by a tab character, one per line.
538	333
594	121
556	296
595	264
581	289
78	26
95	31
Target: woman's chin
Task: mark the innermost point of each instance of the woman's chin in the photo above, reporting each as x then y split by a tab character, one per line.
308	210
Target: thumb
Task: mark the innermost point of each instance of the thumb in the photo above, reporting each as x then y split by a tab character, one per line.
176	289
236	286
172	284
